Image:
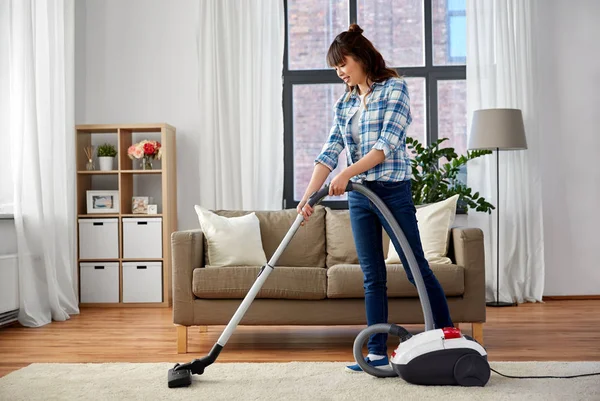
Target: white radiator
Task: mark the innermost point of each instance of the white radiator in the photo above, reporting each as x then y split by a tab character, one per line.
9	289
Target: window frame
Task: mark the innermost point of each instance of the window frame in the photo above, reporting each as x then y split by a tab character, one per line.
432	74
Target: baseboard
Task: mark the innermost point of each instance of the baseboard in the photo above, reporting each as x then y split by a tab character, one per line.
569	297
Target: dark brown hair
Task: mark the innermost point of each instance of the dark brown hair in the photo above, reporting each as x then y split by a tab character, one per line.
352	43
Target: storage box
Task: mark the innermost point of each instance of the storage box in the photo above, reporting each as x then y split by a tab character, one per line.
99	282
98	238
142	238
142	282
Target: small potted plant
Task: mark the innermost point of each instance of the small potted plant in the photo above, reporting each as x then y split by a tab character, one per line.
106	156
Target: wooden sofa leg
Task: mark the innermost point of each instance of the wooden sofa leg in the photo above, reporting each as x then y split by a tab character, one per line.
478	332
182	336
202	329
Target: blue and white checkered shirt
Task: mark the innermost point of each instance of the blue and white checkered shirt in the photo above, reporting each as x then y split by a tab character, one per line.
382	126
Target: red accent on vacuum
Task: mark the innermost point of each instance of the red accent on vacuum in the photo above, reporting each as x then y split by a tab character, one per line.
451	332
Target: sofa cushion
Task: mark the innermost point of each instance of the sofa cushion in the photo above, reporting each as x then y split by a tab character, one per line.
307	247
346	281
231	241
283	282
340	240
435	221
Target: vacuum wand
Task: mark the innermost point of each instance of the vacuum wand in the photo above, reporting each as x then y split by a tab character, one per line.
181	374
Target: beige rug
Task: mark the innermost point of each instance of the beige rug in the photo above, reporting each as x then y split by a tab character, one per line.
286	381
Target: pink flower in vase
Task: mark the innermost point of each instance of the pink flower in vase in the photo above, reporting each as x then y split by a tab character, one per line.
135	151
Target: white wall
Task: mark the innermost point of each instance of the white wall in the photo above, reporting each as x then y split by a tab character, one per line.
136	62
567	36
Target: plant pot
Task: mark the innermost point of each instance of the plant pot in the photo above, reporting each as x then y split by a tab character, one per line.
106	163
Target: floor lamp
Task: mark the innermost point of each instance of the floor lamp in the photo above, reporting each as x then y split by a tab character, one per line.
497	129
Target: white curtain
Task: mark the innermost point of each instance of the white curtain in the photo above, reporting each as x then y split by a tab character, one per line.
501	74
6	191
240	58
41	140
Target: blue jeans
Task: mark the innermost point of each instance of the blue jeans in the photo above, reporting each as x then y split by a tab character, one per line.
367	222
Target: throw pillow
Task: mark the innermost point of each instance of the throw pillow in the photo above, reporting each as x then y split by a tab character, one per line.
434	223
233	241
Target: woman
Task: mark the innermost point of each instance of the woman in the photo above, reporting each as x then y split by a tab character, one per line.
370	123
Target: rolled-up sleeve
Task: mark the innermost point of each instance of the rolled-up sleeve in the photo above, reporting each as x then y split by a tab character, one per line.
397	118
331	149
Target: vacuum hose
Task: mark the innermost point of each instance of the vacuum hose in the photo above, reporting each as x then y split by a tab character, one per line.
412	264
392	329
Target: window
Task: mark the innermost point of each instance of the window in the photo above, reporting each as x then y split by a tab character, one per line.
424	40
452	113
396	29
312	105
449	32
311	27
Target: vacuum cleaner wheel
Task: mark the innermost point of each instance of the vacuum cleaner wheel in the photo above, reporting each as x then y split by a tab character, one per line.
472	370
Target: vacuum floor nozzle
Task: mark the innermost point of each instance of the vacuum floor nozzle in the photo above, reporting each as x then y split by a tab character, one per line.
179	378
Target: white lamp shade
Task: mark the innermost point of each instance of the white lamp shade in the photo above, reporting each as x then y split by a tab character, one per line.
497	129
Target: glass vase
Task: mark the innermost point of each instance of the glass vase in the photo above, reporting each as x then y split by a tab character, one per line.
89	166
146	163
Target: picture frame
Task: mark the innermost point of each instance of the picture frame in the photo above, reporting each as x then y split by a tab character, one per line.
102	201
139	204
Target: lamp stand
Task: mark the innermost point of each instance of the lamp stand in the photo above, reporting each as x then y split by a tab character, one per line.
497	301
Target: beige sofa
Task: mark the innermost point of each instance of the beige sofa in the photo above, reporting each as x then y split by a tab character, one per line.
317	280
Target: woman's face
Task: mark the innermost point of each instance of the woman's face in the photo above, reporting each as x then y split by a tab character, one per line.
351	72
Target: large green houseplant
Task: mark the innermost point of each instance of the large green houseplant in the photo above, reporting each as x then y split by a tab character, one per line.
433	181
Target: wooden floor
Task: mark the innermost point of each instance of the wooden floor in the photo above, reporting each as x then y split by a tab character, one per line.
555	330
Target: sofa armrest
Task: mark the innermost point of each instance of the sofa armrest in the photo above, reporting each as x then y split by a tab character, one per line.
468	251
187	248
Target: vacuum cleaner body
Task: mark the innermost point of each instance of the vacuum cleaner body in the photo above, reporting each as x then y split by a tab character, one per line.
441	357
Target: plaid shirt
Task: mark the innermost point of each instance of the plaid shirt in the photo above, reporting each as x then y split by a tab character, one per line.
382	126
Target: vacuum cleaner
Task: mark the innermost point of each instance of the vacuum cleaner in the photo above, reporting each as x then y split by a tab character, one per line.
442	356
